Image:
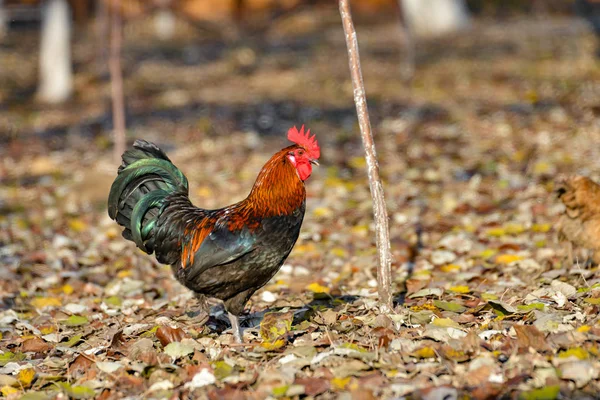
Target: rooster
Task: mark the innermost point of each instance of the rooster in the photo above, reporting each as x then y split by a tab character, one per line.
227	253
579	225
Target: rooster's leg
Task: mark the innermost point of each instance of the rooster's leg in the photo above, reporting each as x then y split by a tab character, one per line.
235	327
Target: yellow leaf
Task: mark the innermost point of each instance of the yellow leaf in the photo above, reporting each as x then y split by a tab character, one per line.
112	233
340	383
305	248
518	155
507	258
47	329
273	345
542	167
426	306
424	352
25	376
487	253
77	225
333	181
584	328
322	212
450	268
204	191
358	162
362	230
42	302
543	228
459	289
514	229
391	373
445	323
67	289
339	252
274	325
577	352
489	296
592	300
125	273
469	228
496	232
317	288
456	355
7	391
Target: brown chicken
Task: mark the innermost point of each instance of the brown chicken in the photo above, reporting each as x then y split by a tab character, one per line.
579	225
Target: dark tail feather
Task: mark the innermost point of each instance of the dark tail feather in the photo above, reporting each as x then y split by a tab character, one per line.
146	177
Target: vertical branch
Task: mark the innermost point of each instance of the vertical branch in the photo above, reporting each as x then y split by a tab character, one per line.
384	273
116	81
3	20
407	67
102	34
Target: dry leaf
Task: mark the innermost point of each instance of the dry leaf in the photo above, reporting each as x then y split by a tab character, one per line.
166	334
529	336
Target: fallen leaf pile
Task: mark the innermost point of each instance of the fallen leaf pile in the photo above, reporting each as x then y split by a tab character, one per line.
485	303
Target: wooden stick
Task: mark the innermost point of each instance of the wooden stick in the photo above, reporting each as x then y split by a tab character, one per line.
116	82
384	273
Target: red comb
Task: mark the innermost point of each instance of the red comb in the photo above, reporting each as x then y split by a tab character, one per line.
305	140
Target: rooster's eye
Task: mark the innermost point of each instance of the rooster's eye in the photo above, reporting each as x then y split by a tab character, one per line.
300	152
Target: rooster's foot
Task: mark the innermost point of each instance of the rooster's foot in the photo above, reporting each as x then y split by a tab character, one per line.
236	328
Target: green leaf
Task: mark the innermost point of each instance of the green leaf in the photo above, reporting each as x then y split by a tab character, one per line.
280	391
449	306
532	306
114	301
547	393
177	350
35	396
77	392
6	357
501	308
489	296
593	300
9	356
150	333
74	340
221	370
75	320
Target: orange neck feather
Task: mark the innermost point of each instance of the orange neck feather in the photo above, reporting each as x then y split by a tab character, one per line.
278	190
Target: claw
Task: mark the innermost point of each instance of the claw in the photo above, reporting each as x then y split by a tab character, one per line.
235	327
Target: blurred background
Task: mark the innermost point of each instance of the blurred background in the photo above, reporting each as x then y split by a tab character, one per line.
461	94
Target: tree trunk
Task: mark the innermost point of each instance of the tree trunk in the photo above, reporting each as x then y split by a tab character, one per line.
56	72
3	20
116	84
384	273
102	36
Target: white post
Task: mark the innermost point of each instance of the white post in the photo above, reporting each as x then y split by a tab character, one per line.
56	72
427	18
164	24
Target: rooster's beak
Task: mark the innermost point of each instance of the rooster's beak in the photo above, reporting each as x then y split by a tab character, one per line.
314	162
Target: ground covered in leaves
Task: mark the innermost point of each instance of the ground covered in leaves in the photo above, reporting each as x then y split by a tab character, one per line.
486	305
